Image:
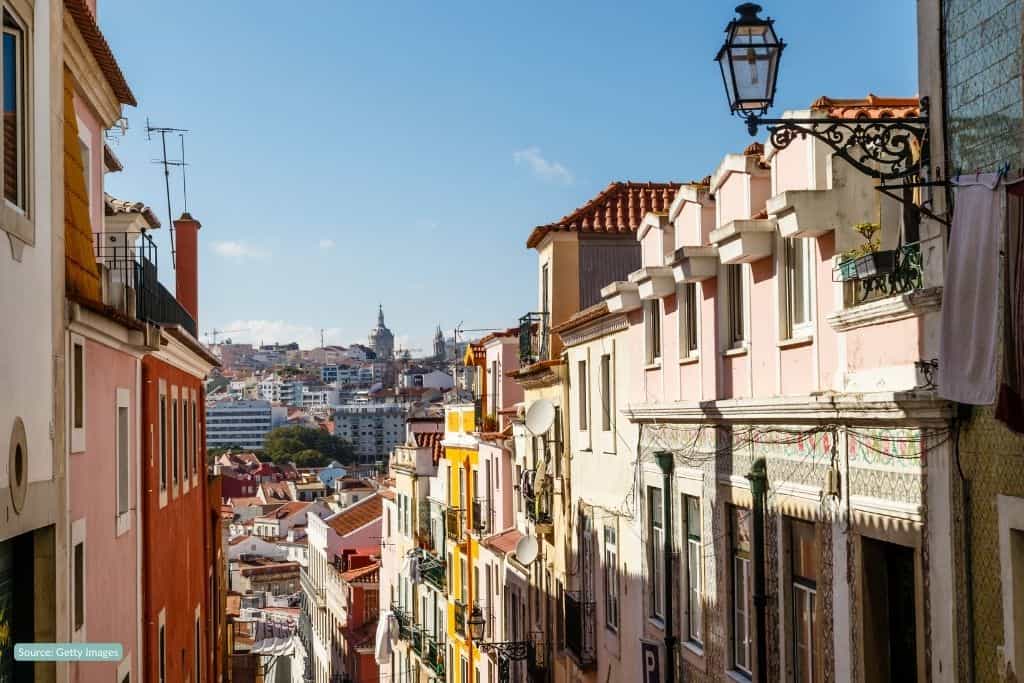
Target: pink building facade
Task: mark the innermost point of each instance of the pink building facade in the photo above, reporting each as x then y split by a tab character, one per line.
746	340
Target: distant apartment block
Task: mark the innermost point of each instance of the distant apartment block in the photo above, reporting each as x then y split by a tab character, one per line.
372	429
237	423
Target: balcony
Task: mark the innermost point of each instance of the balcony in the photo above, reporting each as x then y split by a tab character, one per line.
538	507
454	523
480	512
580	630
459	610
432	569
404	621
418	641
906	275
310	589
434	657
533	338
130	260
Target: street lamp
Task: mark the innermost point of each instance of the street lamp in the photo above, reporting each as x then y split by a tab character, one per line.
507	651
476	623
884	148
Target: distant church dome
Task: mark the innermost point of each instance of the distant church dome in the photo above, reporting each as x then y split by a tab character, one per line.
381	340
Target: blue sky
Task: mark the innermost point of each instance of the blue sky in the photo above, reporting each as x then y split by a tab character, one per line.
344	154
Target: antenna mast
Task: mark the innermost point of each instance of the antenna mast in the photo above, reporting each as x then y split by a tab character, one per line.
167	171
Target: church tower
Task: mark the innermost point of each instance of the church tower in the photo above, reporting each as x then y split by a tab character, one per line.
381	340
439	350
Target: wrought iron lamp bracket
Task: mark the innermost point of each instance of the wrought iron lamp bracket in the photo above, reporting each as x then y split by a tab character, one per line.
884	148
511	650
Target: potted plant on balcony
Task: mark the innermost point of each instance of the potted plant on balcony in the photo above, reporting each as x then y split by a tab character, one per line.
867	260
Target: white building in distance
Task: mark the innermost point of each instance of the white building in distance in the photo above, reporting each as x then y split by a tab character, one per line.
237	423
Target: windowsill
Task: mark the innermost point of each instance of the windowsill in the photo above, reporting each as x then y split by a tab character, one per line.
736	351
691	360
795	342
693	654
656	622
736	675
653	365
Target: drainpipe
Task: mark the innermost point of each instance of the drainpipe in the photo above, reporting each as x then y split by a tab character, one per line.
758	488
667	462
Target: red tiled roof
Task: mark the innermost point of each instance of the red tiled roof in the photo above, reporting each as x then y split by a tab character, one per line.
587	315
617	209
505	542
100	49
276	489
367	574
112	206
356	516
387	494
870	107
431	440
287	510
251	569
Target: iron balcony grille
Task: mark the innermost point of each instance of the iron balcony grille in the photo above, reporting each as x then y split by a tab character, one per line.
579	629
538	507
131	259
453	522
418	640
404	622
533	338
434	657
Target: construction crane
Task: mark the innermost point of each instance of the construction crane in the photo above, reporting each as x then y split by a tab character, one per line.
214	333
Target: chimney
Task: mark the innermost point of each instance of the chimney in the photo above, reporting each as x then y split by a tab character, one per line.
186	284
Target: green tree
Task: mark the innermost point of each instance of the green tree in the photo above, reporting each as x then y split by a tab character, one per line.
306	447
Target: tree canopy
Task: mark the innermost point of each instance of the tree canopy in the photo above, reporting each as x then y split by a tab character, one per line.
306	447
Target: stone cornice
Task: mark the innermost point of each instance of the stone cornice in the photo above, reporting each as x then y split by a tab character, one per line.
886	310
918	408
598	328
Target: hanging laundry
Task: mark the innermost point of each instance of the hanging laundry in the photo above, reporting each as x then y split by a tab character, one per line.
968	340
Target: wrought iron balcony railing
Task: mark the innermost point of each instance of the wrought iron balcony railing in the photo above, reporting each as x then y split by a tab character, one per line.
538	507
434	657
131	259
580	636
418	640
454	523
404	620
533	338
906	275
432	569
316	594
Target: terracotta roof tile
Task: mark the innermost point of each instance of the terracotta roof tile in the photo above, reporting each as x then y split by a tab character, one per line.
356	515
617	209
287	510
90	30
367	574
505	542
114	206
587	315
433	441
870	107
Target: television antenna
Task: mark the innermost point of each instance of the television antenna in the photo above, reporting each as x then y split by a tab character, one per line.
163	131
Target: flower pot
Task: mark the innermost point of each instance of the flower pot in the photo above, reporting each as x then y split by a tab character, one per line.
848	270
876	263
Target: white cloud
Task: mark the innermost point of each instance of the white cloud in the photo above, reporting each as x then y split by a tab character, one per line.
327	244
541	167
238	251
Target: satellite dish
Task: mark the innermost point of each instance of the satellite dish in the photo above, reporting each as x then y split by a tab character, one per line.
526	550
540	416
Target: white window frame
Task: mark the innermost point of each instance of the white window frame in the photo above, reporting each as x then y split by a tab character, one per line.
196	441
652	331
85	140
582	384
16	220
607	379
656	556
174	425
124	402
693	579
76	397
1011	519
612	605
78	536
162	451
685	312
740	576
186	475
789	249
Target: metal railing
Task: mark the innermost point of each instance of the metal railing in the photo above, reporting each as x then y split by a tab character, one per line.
131	258
434	657
533	338
404	621
480	521
432	569
454	523
579	629
538	507
418	640
310	589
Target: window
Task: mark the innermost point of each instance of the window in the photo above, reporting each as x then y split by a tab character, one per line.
78	385
889	586
611	579
163	442
79	578
735	300
797	283
581	389
656	556
15	114
195	439
185	441
123	453
652	318
544	291
162	652
804	570
694	571
739	546
174	441
463	580
688	342
606	393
